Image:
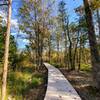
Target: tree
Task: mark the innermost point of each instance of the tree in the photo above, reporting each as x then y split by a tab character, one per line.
73	37
95	57
95	7
6	53
35	23
12	46
63	20
82	27
33	31
58	38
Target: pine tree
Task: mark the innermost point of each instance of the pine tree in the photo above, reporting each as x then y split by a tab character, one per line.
6	53
63	20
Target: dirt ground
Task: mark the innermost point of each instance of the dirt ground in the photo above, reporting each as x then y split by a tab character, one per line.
83	83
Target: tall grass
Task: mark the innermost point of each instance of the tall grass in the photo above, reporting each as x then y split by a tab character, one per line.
19	82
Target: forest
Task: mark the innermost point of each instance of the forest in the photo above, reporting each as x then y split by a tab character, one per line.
63	33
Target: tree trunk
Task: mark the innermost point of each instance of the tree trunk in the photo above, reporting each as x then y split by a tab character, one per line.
6	54
49	44
65	55
41	50
75	51
37	38
67	59
95	57
70	51
80	55
38	46
70	56
98	20
58	51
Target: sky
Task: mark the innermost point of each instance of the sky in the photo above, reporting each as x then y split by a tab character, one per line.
16	4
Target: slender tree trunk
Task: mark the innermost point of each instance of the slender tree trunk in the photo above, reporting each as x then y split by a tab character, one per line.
38	45
98	20
79	59
68	61
58	51
70	51
79	55
49	44
6	54
36	33
37	55
95	57
75	51
70	56
41	50
84	54
65	55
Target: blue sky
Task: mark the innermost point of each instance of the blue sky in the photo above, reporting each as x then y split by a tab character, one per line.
71	5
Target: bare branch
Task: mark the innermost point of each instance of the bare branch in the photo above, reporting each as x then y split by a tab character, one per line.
4	4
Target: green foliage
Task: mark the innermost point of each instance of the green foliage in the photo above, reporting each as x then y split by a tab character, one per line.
21	82
57	65
35	22
2	34
62	15
86	67
36	81
13	46
95	4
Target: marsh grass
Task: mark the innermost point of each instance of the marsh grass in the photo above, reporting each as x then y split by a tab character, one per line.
20	82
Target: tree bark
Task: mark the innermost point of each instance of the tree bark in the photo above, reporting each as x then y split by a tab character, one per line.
75	51
49	44
95	57
80	55
57	51
6	54
98	20
70	56
65	55
41	50
70	51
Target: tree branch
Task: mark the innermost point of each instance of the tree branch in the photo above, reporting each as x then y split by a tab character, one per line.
3	4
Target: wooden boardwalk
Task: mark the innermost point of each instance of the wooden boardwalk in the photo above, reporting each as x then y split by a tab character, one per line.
58	87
